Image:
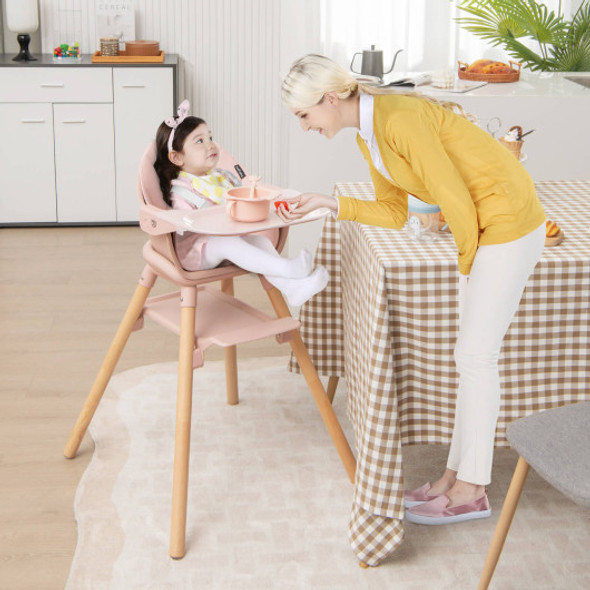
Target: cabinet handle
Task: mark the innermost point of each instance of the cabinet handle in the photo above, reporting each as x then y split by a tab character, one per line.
74	121
32	120
52	85
133	85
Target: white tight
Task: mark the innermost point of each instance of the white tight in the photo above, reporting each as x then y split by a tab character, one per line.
488	300
253	253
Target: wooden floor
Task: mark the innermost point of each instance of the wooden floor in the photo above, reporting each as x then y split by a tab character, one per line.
62	294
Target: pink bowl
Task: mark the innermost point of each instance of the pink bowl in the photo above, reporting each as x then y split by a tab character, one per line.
242	208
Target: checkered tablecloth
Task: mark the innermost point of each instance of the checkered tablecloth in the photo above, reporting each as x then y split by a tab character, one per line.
388	322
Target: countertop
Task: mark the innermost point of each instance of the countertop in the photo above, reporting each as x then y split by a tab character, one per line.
530	84
46	59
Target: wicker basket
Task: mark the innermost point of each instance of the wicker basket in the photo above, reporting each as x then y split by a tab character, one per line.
514	146
109	46
513	76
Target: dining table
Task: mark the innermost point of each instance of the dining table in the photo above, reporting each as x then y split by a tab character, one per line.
387	323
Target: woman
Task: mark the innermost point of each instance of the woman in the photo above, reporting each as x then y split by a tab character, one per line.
416	145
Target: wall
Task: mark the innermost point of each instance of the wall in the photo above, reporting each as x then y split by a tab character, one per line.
233	54
229	52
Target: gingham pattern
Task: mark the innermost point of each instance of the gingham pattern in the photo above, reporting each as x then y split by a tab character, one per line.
388	322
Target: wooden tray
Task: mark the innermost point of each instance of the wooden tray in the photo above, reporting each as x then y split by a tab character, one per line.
513	76
127	59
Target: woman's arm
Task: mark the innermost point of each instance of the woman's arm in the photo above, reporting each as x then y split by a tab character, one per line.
389	209
307	203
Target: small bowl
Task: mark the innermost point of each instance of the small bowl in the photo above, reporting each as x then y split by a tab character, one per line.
241	207
142	48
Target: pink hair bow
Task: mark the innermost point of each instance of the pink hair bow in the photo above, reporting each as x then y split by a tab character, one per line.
174	122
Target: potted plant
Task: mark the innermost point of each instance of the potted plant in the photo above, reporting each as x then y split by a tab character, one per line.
563	45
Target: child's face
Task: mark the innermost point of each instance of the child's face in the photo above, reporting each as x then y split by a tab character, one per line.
199	154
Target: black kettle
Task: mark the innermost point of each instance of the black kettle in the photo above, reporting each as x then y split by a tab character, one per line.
372	63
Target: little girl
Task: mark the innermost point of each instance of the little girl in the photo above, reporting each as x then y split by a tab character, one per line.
185	163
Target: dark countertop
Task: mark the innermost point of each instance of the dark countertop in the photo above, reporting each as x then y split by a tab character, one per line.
46	59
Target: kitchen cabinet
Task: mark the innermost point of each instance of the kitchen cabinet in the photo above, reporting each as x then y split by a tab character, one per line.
548	102
142	101
27	192
76	135
84	156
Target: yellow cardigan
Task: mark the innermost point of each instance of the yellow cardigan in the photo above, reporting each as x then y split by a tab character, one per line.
485	194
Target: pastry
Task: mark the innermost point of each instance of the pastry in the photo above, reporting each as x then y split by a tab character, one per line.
477	66
512	140
551	228
489	66
496	68
553	233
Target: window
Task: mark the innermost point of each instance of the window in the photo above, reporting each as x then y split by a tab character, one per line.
425	29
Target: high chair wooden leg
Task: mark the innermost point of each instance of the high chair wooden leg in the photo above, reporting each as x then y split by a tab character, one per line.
183	430
231	357
315	385
331	389
108	366
504	522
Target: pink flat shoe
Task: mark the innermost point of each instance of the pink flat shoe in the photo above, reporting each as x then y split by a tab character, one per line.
437	512
419	496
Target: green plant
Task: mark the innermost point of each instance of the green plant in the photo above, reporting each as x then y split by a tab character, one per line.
564	45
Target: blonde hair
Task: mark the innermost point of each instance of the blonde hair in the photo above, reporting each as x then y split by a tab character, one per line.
312	75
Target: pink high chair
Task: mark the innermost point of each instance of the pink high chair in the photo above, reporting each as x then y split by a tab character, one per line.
184	312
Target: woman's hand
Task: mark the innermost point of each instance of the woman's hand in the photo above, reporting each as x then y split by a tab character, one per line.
307	203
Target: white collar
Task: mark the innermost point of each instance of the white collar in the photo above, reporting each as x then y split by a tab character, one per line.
366	117
367	133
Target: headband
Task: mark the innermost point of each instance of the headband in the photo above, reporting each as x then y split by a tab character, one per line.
174	122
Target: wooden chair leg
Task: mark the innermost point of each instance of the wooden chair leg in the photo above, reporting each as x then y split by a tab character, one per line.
315	385
231	357
504	522
331	390
108	366
183	431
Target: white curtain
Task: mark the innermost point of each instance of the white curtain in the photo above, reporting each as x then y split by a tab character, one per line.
425	29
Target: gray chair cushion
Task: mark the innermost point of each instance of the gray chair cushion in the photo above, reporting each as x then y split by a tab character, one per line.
556	444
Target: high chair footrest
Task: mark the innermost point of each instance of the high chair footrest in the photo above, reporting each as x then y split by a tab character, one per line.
221	319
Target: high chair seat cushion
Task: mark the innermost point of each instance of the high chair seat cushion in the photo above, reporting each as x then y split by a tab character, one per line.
556	444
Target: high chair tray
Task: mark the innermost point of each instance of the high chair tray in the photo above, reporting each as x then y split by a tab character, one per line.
214	221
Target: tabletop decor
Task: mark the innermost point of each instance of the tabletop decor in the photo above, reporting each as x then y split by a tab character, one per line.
67	53
22	17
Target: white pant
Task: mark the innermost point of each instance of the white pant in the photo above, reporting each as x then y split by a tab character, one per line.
488	300
292	276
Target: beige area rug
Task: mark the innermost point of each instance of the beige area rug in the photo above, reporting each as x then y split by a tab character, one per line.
269	501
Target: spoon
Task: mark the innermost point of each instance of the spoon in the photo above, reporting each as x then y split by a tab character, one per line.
254	180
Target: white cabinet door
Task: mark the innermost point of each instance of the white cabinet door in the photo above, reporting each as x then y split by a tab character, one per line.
27	190
143	98
84	155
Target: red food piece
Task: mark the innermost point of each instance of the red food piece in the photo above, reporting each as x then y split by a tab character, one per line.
279	203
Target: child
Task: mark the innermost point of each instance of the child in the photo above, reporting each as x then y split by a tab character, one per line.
185	163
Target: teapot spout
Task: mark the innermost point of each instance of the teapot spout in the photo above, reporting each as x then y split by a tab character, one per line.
393	63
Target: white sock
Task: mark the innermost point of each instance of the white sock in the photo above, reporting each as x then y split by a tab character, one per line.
298	291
